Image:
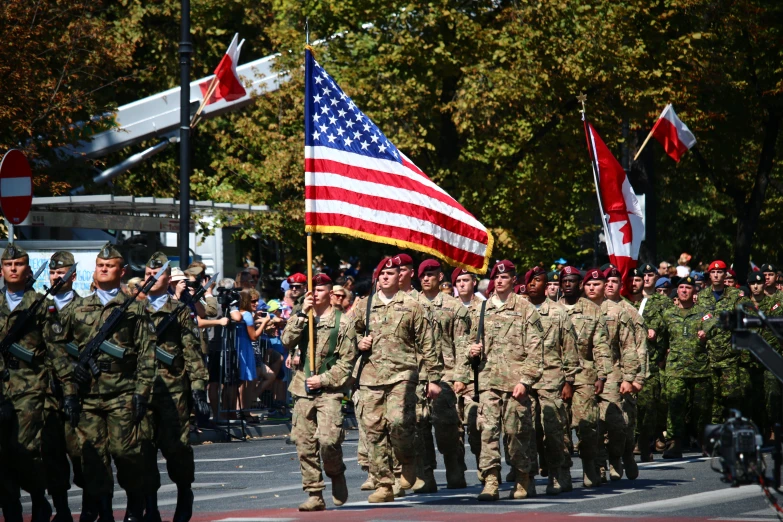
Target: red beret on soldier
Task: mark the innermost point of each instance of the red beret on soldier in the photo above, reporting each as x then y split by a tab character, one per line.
503	267
612	272
297	278
321	279
595	274
428	264
717	265
456	273
386	262
570	270
533	272
403	259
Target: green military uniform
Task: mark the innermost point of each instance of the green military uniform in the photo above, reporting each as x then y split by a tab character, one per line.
107	430
317	425
731	369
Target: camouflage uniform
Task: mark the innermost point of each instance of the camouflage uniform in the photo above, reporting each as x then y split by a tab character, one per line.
595	362
687	386
768	396
448	319
640	341
317	425
400	336
513	334
731	369
463	372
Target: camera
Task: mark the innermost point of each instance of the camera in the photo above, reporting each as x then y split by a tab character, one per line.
737	444
226	296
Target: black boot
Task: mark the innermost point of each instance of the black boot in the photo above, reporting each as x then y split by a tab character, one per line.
60	501
105	509
89	508
12	509
42	510
184	510
151	512
134	512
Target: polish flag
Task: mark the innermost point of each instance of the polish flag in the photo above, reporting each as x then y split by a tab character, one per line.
621	212
673	134
229	87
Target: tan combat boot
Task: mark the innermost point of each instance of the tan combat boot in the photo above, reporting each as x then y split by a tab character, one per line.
455	471
314	503
565	480
339	490
426	484
615	469
408	476
384	493
590	476
522	486
553	486
491	485
630	467
397	489
369	484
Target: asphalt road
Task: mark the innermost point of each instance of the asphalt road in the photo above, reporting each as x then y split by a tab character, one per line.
259	480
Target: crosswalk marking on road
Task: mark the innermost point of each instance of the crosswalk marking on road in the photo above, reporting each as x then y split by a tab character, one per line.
706	498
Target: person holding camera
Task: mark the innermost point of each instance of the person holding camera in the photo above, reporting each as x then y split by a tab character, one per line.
318	418
215	325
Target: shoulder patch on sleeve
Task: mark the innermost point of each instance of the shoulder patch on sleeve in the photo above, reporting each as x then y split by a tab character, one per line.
57	328
706	317
538	325
777	305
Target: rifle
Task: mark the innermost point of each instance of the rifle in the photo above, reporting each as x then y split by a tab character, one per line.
475	362
30	283
98	342
365	355
9	343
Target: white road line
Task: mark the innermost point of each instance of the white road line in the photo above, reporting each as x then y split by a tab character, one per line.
166	488
239	519
597	515
696	500
748	519
668	463
232	472
231	459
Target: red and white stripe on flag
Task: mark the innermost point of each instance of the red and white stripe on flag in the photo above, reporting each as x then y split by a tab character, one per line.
229	85
673	134
623	224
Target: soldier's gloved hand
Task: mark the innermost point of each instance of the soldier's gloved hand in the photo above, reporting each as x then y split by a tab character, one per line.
139	404
6	409
82	376
72	409
200	402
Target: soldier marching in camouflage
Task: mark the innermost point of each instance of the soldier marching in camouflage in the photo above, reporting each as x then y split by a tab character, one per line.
505	334
398	335
595	364
559	364
25	361
180	382
115	400
449	321
317	426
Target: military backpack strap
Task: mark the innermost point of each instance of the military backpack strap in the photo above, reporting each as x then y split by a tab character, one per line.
330	359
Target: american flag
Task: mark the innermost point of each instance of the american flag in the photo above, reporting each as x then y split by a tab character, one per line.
358	183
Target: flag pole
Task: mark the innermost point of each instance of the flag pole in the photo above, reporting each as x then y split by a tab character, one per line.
210	91
643	144
310	321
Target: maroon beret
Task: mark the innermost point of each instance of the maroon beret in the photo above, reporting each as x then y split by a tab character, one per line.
490	287
520	289
533	272
297	278
503	267
428	264
456	273
321	279
594	273
570	270
613	272
386	262
403	259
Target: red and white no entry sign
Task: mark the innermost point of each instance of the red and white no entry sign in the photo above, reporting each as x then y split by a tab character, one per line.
16	186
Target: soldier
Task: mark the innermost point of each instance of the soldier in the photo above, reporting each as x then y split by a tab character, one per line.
465	283
296	286
512	334
406	275
115	401
59	438
687	387
449	322
180	381
612	420
770	279
595	364
731	377
318	418
559	364
553	286
614	284
398	336
24	382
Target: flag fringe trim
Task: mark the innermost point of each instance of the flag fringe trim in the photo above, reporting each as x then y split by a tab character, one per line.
406	244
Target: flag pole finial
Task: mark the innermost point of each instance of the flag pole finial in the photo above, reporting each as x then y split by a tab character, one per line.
307	31
582	98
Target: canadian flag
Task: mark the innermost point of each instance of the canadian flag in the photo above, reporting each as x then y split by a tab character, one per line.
621	213
226	84
673	134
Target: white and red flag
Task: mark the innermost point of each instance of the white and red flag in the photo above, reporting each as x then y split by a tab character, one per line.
359	184
673	134
226	84
620	211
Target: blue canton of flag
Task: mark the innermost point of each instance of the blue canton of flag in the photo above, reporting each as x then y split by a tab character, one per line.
333	120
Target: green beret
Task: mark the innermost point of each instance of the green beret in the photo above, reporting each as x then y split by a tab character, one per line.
60	259
553	277
637	272
755	277
13	252
157	260
607	266
768	267
647	268
687	280
109	251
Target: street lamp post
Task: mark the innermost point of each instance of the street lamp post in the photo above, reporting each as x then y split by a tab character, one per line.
185	51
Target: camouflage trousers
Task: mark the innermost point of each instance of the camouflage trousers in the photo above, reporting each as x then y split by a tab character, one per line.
731	388
689	400
469	416
362	453
59	443
317	430
106	431
614	426
389	419
442	414
772	402
167	428
21	460
551	422
499	413
648	404
583	412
